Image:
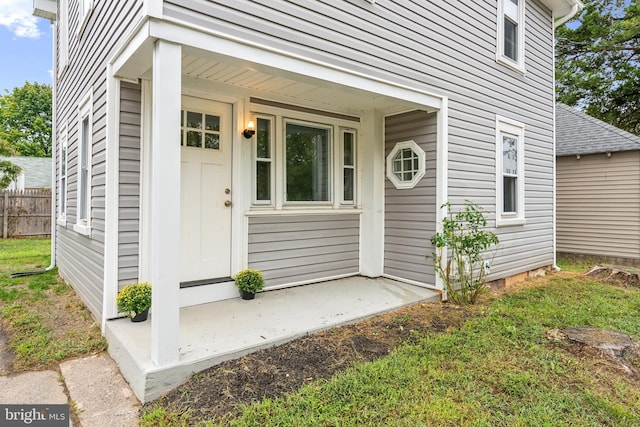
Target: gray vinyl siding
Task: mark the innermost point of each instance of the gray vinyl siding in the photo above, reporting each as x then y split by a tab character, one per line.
80	258
410	214
129	183
291	249
598	204
443	47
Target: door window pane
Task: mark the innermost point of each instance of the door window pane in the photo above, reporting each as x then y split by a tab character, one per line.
307	163
212	122
194	120
212	141
194	139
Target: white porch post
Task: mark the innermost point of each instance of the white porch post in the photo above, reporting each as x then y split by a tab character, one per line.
371	155
165	204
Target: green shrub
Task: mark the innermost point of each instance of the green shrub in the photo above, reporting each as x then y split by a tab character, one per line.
134	298
459	257
249	280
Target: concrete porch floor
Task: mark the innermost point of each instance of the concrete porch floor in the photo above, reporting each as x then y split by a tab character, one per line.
223	330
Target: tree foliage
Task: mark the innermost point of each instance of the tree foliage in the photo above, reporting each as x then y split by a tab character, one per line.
25	120
8	170
598	62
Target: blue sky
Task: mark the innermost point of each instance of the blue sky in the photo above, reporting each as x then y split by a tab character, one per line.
25	45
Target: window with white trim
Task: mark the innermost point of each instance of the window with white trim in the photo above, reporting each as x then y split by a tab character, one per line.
84	9
309	161
62	27
307	148
62	179
406	164
348	137
264	161
85	125
510	197
510	44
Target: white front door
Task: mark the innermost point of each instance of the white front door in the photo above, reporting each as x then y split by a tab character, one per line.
206	189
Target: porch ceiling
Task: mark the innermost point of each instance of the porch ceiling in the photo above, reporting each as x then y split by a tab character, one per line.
202	69
215	73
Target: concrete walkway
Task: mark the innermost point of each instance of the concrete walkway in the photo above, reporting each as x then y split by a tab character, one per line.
94	385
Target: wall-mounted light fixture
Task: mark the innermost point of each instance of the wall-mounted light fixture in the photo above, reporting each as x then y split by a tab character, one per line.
250	130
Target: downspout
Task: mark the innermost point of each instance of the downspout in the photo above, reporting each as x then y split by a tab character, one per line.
54	149
52	263
556	23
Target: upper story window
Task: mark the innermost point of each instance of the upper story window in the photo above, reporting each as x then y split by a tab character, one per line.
85	125
62	30
406	165
85	8
511	33
510	197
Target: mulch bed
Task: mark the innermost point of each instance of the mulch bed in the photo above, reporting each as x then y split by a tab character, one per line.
222	390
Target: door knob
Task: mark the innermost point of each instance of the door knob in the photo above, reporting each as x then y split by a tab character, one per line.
227	203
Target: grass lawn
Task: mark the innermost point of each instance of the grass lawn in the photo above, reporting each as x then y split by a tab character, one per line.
44	319
498	369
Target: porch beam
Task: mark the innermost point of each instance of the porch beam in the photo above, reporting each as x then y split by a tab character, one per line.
165	203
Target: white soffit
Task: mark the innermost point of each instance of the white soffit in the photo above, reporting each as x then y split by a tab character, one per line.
46	9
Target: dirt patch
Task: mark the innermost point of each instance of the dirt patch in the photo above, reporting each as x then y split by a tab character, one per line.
619	348
219	391
6	357
615	274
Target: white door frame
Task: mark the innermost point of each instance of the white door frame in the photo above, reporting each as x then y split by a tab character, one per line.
240	197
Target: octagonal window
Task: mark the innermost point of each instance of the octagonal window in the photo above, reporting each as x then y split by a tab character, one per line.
406	164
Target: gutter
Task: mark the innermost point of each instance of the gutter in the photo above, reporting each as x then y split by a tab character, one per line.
574	9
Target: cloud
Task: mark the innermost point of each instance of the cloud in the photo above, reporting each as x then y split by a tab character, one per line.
17	16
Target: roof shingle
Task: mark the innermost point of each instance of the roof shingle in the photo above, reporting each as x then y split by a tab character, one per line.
579	133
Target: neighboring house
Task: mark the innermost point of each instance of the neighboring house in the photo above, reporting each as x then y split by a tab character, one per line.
598	188
368	117
35	174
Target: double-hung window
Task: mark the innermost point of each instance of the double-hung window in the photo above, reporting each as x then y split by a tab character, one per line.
62	32
264	161
511	33
83	214
348	166
62	180
510	197
84	10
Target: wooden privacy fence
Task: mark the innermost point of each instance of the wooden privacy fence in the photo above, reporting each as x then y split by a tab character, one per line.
25	213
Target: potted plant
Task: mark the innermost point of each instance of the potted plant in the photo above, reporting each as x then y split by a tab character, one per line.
249	282
135	299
